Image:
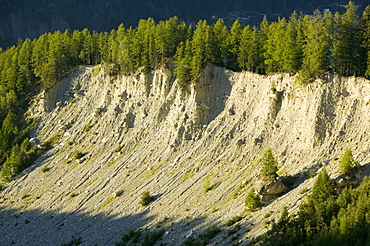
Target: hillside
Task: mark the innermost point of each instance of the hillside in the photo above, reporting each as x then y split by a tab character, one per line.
191	146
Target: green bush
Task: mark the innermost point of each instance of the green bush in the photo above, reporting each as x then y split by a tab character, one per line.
78	155
146	198
234	220
252	200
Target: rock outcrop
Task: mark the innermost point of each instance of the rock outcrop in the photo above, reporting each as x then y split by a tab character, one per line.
190	146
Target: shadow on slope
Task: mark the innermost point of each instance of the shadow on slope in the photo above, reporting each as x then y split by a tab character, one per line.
37	227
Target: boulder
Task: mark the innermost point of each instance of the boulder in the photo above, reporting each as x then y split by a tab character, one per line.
345	180
33	142
270	187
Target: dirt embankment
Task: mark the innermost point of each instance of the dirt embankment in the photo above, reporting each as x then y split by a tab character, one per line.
191	146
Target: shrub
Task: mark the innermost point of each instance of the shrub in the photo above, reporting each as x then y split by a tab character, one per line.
234	220
78	155
252	200
146	198
118	149
95	72
45	169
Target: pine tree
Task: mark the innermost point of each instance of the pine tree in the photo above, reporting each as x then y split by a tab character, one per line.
365	37
14	164
269	165
318	33
346	42
248	55
322	188
201	49
232	45
347	163
252	200
183	62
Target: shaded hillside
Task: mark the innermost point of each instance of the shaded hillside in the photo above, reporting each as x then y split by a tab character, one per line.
190	146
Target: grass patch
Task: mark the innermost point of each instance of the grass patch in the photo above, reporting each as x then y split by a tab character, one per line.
107	202
73	195
25	196
239	190
214	210
45	169
96	71
268	214
78	155
188	174
88	127
118	149
208	186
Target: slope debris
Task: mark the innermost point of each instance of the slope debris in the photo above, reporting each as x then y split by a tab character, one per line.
196	149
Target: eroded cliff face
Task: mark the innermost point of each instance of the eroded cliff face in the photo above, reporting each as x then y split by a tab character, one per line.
190	146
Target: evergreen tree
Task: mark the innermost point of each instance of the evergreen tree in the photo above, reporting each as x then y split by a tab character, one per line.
346	43
347	163
318	33
183	62
218	43
275	46
14	164
201	49
232	45
269	164
365	37
322	189
249	53
252	200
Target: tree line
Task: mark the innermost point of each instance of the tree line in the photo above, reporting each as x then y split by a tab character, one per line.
305	44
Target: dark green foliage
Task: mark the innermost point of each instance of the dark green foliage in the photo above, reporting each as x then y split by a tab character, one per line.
347	163
204	238
325	219
146	198
139	238
131	236
252	200
151	238
78	155
234	220
269	164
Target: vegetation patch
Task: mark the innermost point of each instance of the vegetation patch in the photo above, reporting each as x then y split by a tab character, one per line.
88	127
189	173
239	190
78	155
146	198
96	71
204	238
234	220
252	200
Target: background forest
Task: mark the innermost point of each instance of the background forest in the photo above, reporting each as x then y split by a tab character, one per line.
22	19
